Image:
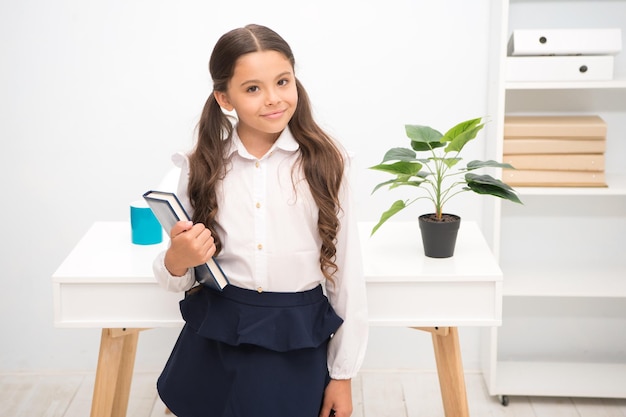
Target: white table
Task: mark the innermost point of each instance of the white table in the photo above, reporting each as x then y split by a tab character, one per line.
107	282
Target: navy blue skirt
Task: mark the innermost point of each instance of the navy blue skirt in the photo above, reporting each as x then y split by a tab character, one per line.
243	353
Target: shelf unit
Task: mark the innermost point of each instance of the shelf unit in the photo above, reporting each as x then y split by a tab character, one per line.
563	253
578	85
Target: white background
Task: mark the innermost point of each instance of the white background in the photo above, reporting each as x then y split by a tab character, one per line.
96	95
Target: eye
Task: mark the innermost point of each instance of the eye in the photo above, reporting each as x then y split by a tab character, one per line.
252	89
283	82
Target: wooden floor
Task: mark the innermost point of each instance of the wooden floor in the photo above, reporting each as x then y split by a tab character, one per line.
376	394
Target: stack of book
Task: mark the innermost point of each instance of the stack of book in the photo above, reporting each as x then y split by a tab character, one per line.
554	151
562	54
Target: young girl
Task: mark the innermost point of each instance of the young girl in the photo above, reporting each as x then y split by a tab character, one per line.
270	200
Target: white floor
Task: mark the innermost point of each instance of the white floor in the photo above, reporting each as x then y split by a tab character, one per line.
376	394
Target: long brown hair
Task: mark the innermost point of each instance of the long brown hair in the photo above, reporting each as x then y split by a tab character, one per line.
320	159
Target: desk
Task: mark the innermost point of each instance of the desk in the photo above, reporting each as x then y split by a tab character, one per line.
106	282
405	288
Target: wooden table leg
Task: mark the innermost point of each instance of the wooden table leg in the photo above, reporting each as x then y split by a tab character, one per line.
114	372
450	370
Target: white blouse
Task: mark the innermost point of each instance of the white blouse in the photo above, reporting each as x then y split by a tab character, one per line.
268	225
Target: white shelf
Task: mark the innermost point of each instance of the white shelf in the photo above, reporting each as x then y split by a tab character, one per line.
562	379
616	186
551	281
565	85
561	280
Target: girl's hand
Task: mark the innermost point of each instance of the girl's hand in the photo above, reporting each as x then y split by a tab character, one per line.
190	245
337	399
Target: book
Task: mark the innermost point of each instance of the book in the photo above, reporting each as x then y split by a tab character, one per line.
565	41
560	68
512	146
554	126
549	178
559	162
168	210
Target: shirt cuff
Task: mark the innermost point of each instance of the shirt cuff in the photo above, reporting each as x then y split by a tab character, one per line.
168	281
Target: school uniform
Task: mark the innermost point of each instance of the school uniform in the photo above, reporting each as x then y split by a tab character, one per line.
271	341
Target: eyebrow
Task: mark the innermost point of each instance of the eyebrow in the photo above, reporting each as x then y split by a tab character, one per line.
282	74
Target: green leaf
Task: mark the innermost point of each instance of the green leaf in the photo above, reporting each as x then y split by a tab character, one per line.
418	133
395	207
491	163
382	184
399	154
399	168
461	128
485	179
450	162
459	138
429	146
486	184
423	138
398	183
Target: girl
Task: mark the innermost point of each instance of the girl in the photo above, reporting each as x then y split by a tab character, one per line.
270	200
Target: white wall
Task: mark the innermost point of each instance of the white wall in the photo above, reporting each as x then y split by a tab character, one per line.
95	96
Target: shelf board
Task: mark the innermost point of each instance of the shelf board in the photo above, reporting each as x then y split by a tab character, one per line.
553	281
616	186
565	85
561	379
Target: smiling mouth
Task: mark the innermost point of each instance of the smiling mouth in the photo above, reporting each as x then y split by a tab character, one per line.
274	115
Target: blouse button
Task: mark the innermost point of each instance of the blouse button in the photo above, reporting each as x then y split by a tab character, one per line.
258	205
259	290
256	164
259	246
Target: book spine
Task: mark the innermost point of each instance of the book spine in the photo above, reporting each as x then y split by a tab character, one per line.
559	162
549	178
553	146
588	127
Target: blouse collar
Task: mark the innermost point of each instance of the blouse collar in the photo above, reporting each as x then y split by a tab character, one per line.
285	142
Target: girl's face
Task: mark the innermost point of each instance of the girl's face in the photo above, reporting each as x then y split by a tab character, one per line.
262	91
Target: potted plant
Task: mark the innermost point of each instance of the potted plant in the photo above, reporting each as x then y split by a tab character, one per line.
438	175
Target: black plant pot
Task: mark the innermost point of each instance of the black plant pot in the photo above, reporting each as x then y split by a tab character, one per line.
439	236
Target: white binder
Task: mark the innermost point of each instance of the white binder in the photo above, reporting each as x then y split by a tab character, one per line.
565	42
559	68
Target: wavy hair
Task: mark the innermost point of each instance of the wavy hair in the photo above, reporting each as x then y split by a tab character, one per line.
320	158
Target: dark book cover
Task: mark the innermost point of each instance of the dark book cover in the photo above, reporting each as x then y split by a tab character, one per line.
168	210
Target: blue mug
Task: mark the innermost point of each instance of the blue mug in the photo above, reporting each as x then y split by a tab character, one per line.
145	228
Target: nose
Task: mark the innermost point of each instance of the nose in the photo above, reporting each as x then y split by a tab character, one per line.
272	97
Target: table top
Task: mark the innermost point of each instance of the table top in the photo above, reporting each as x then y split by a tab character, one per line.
106	254
395	253
106	281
